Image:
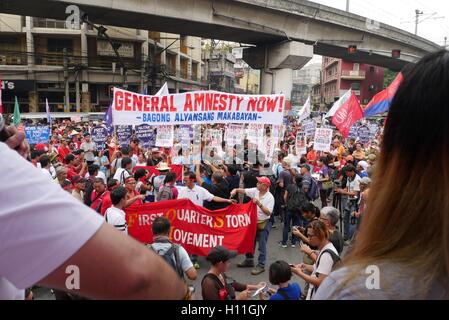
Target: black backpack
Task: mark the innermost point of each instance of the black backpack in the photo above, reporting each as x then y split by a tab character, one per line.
335	258
296	200
168	256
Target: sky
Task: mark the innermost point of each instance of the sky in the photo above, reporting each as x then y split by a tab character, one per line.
434	25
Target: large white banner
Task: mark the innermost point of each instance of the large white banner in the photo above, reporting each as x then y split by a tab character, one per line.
323	139
129	108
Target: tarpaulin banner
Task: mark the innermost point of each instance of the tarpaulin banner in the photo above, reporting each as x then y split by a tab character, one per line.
197	229
37	134
173	168
129	108
323	139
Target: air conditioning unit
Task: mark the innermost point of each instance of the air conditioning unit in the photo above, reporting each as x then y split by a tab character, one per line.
2	59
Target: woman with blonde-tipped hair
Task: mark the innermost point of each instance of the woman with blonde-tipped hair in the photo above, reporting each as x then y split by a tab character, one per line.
402	249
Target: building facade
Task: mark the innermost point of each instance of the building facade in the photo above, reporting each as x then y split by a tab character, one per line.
220	70
303	82
75	69
247	80
338	76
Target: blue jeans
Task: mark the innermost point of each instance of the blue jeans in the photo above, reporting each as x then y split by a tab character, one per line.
261	239
293	218
349	229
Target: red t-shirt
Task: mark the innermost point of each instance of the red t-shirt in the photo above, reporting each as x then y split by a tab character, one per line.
71	173
106	204
97	201
138	201
63	151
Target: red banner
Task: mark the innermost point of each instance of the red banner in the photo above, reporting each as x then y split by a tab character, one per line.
197	229
173	167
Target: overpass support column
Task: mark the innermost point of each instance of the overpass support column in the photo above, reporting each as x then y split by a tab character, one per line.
276	63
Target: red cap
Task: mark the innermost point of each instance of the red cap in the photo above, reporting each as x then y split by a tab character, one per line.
264	180
41	147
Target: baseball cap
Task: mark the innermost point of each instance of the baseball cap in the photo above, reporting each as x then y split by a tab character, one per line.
78	179
264	180
87	134
41	147
155	150
220	254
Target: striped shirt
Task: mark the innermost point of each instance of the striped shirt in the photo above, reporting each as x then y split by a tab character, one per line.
117	218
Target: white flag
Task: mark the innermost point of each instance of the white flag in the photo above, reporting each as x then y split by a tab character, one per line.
338	104
163	91
305	111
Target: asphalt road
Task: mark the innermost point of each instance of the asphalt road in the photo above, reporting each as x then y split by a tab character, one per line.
274	253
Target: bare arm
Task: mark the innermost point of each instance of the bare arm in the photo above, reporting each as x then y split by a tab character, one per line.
134	199
198	175
101	276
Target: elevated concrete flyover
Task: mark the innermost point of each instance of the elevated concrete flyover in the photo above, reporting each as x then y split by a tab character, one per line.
329	30
286	32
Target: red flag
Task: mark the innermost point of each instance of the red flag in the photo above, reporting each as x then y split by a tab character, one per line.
349	113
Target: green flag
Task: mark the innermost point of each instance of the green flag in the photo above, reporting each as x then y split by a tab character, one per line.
16	120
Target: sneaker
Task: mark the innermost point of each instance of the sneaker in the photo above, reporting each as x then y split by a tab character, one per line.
273	226
282	245
246	264
196	265
257	270
293	245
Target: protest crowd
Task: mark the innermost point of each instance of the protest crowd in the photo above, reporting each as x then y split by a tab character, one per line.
305	177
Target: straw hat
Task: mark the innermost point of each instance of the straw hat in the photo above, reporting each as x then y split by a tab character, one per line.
162	166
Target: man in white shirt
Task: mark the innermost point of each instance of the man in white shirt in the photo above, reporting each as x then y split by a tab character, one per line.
115	215
43	230
197	194
45	166
265	204
122	173
88	147
352	191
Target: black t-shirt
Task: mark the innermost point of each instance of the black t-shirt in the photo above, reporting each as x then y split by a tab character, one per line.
337	240
219	190
233	182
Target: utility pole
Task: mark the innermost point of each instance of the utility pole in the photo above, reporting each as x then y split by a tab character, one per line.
418	13
445	42
66	81
347	5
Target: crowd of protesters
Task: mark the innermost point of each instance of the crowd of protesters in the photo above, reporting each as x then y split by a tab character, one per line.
318	199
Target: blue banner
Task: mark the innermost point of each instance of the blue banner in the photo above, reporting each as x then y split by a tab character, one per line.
99	136
37	134
146	135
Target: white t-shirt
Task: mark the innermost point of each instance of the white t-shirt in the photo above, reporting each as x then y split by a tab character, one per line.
325	266
354	185
88	148
40	227
197	195
99	175
47	174
121	174
267	201
117	218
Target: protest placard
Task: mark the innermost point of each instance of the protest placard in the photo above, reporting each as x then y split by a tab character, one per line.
165	135
37	134
124	134
146	135
99	135
323	139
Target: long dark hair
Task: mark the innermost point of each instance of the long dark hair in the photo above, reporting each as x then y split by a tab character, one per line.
407	217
